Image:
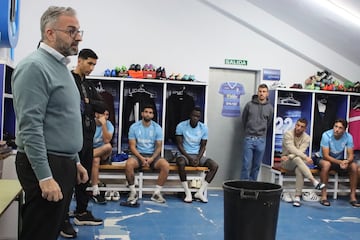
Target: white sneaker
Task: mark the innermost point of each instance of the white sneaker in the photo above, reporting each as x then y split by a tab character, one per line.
133	197
193	183
198	183
286	197
310	197
157	197
188	198
108	195
277	84
296	202
201	196
116	196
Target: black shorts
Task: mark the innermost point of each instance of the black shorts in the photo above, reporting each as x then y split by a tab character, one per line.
152	165
334	166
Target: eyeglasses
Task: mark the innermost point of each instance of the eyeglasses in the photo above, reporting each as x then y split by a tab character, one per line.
72	32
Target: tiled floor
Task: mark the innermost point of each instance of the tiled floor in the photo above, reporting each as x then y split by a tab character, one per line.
176	220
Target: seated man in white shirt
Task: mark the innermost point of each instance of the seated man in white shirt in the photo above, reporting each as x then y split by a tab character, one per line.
294	157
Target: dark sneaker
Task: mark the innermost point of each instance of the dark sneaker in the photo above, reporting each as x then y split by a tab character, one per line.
67	230
86	218
98	199
72	214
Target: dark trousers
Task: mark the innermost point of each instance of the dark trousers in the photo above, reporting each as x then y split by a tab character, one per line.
42	219
86	159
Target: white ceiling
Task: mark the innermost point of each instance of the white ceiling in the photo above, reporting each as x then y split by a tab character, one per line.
319	23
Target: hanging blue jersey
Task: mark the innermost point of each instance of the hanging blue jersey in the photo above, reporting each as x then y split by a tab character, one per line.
336	146
145	136
192	136
231	104
98	137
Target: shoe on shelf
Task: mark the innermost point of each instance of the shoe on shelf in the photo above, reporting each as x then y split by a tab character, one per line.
108	195
157	197
107	73
296	202
201	197
116	196
286	197
99	199
67	230
123	69
320	186
145	67
276	85
137	67
163	74
172	76
132	67
158	73
133	197
296	85
151	67
185	78
192	77
310	196
86	218
178	76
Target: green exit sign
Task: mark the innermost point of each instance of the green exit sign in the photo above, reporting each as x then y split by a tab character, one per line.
236	62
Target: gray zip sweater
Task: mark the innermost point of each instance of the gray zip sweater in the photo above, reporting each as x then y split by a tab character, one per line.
257	117
47	108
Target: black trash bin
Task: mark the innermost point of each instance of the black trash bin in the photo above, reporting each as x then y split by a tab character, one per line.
251	210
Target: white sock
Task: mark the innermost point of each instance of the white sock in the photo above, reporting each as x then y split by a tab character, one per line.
203	186
186	188
158	189
132	188
96	190
316	182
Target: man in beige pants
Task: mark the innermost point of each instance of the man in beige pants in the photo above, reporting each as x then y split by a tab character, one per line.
295	143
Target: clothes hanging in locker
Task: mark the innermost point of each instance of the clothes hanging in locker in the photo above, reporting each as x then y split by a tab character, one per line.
109	100
323	120
131	108
178	108
354	123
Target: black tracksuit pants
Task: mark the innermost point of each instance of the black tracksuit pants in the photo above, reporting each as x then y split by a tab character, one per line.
86	159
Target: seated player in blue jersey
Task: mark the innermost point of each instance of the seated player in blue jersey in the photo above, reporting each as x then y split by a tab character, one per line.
191	138
145	143
102	150
334	143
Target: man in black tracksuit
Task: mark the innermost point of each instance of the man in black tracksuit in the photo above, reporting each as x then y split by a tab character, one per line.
91	102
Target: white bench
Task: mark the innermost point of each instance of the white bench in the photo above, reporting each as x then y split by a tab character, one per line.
145	179
281	176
